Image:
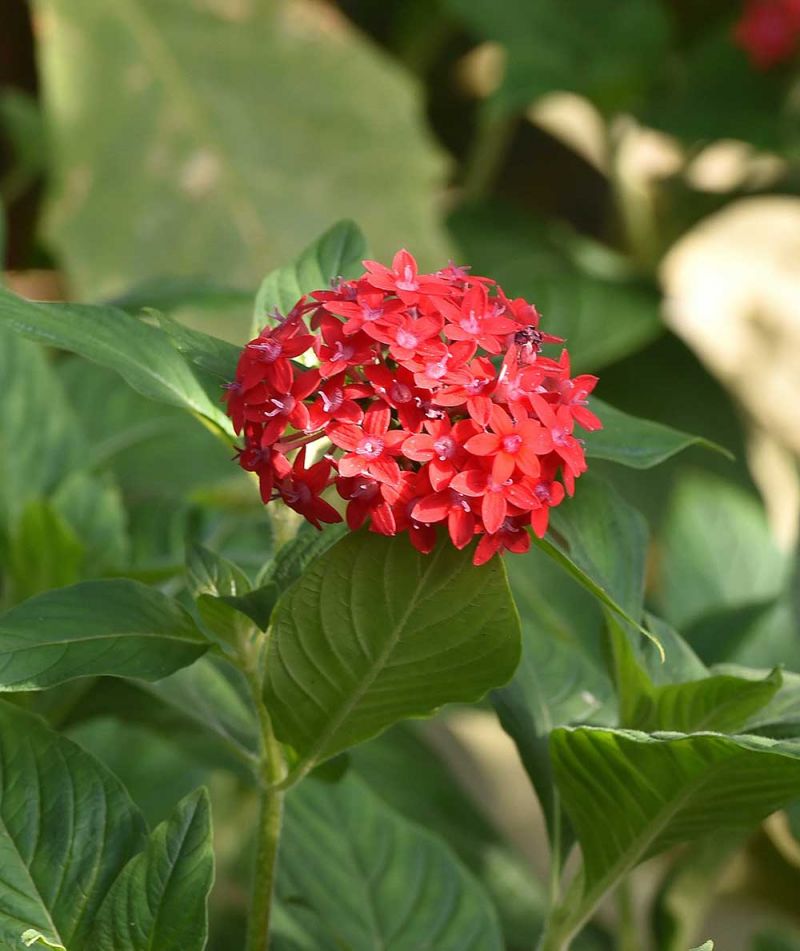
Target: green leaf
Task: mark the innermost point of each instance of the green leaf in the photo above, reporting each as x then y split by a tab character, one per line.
522	255
205	708
630	796
40	439
561	678
43	552
367	637
637	443
141	354
440	802
369	878
552	46
292	558
216	357
707	946
188	130
93	508
159	898
116	627
67	826
338	253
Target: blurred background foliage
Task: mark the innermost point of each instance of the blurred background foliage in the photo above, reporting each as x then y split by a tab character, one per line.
621	163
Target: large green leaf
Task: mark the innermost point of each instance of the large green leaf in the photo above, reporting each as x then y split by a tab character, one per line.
143	355
520	253
374	632
92	506
67	826
97	627
370	879
159	898
338	253
437	800
40	440
631	795
634	442
555	45
224	138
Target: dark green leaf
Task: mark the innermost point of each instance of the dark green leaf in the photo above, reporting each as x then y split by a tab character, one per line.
366	638
159	898
67	826
216	357
141	354
97	627
554	45
93	508
369	878
634	442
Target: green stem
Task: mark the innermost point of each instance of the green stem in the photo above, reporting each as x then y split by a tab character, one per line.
626	925
272	767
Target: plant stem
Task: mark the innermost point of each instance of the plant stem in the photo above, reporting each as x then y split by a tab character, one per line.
271	769
626	925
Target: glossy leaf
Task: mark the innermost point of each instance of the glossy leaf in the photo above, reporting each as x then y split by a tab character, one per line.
631	795
374	632
67	826
159	898
140	353
634	442
97	627
369	878
337	253
221	179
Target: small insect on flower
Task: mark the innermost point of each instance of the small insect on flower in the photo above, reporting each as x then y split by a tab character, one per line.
432	409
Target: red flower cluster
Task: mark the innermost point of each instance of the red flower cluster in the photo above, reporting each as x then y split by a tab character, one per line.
769	31
436	402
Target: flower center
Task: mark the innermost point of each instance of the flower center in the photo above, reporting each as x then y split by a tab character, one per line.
471	324
560	437
406	339
282	407
342	351
400	393
408	281
444	447
268	349
331	402
371	313
512	443
370	447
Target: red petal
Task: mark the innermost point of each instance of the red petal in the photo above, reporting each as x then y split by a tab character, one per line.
461	525
484	444
376	419
470	482
503	466
419	448
344	435
493	511
487	546
528	461
384	469
352	465
501	421
433	508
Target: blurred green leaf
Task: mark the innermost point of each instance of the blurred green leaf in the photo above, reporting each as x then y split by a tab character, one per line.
555	45
712	91
365	639
40	439
638	443
236	133
93	508
337	253
67	826
159	898
601	319
96	627
365	877
43	553
216	357
22	127
141	354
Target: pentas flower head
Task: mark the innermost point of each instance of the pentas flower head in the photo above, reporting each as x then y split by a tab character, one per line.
431	410
769	31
